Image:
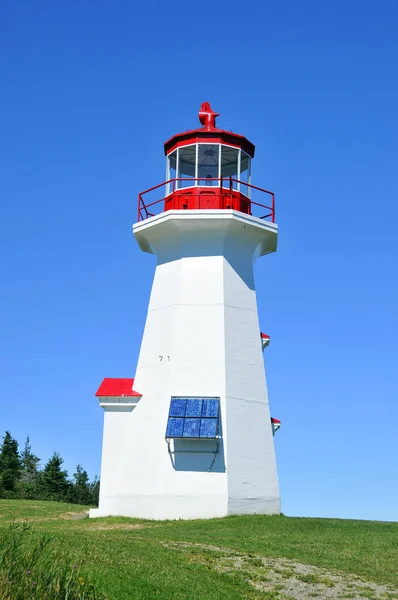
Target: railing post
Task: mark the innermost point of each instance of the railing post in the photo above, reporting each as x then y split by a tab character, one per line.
273	207
230	184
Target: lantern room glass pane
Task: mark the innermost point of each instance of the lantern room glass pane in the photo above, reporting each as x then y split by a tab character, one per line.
208	164
171	172
229	165
244	173
186	166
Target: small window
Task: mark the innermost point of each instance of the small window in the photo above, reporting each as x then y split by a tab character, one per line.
193	418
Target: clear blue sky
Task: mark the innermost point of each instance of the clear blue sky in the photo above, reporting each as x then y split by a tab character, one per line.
89	93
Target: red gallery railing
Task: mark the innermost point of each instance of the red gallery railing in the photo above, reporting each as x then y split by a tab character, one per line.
227	188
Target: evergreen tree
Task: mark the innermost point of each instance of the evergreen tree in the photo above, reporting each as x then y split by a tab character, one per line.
80	490
10	463
29	463
54	480
20	477
81	477
94	488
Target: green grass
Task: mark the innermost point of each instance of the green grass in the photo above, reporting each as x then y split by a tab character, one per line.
31	568
136	563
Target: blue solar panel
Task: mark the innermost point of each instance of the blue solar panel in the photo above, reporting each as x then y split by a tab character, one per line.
177	407
211	407
208	428
191	427
194	407
174	427
193	418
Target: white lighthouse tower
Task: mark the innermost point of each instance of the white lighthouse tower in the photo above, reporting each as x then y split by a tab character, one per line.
191	435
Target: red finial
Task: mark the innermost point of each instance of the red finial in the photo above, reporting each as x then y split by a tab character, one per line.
207	116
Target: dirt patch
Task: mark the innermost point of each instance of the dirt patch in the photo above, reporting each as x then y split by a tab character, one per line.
69	516
120	526
285	579
32	519
75	516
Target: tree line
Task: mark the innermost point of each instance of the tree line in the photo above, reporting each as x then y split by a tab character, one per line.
22	478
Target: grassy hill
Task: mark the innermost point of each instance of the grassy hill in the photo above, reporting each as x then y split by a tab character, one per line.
254	557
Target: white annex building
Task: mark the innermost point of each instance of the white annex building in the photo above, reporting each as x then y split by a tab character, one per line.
191	435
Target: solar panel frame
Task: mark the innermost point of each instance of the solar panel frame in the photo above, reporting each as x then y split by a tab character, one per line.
193	418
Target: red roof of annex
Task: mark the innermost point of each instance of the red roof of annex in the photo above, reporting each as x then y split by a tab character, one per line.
116	386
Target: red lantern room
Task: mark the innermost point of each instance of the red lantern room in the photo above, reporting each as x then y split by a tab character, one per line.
207	168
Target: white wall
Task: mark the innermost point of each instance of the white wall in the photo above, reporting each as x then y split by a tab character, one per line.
201	338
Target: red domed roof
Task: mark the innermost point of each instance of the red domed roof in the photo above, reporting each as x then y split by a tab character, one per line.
209	134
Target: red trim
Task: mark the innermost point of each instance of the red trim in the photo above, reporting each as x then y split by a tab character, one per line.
112	386
265	336
209	136
207	198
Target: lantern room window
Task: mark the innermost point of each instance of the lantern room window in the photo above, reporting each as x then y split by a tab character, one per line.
186	166
230	165
208	164
171	170
245	174
205	165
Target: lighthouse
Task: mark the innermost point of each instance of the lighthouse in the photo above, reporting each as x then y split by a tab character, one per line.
191	435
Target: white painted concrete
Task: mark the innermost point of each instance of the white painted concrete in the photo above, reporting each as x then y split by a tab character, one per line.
201	338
